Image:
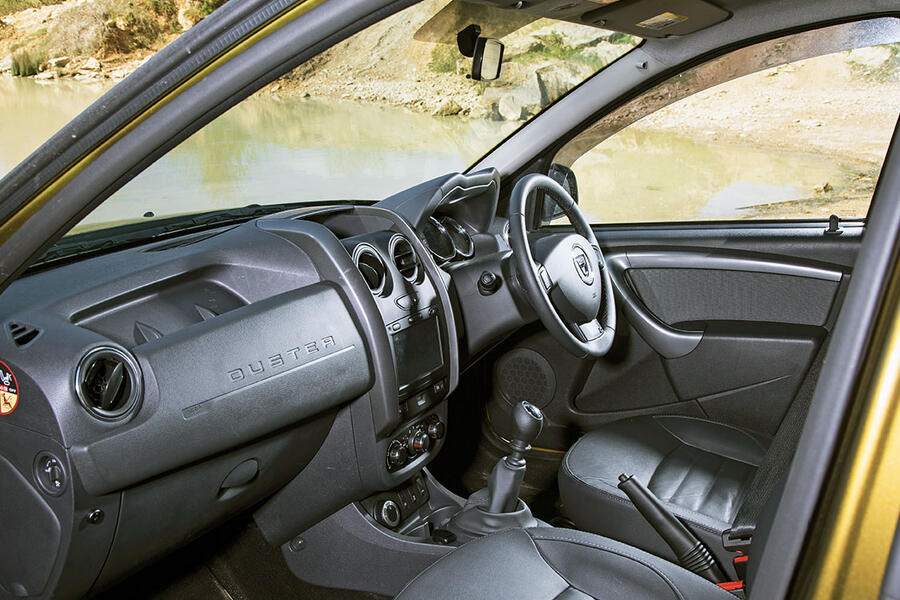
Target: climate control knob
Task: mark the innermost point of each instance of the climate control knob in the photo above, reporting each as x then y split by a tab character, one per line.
436	429
419	442
396	454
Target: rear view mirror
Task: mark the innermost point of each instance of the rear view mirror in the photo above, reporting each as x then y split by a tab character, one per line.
487	60
486	53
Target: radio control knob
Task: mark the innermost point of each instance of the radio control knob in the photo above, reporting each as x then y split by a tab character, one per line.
396	454
419	442
436	429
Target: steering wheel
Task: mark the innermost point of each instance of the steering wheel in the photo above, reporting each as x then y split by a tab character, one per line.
564	276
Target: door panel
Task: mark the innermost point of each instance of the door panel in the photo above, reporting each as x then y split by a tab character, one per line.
748	307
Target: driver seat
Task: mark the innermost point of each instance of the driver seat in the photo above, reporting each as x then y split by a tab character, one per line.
700	470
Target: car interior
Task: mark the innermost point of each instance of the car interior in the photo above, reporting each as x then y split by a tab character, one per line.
473	388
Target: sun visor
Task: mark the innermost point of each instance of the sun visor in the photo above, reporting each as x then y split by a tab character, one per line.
643	18
496	21
657	18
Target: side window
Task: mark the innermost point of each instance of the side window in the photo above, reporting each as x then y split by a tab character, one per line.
795	128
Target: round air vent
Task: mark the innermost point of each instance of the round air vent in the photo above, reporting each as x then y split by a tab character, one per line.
404	258
108	383
373	270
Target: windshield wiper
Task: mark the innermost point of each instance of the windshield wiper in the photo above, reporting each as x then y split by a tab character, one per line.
136	234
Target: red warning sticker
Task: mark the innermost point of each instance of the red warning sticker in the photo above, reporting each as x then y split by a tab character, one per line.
9	390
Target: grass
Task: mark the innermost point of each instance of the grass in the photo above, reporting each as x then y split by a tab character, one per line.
889	70
555	47
26	63
108	27
101	28
443	58
8	7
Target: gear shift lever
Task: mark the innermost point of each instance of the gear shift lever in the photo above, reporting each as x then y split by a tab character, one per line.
506	478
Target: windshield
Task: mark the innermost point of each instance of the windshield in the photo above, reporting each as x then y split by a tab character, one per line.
386	109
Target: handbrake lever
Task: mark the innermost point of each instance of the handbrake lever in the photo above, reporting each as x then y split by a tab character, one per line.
692	554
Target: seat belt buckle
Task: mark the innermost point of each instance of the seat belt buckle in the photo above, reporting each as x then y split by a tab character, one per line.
736	588
740	563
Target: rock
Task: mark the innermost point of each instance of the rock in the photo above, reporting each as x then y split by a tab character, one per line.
58	62
91	64
45	75
604	51
872	57
572	34
555	80
6	64
510	108
447	108
186	15
514	73
516	46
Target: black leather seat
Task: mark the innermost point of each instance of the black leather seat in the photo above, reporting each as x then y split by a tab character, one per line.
700	469
562	564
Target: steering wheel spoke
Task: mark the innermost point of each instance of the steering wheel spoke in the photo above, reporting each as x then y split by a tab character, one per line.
589	331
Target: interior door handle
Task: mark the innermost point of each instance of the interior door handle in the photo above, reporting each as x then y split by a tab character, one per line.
666	340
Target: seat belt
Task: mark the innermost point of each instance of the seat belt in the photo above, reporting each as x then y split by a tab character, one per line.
777	459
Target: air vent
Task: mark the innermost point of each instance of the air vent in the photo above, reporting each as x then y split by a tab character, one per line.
108	383
22	334
404	258
371	266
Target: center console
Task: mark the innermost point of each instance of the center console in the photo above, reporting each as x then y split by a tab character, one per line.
414	318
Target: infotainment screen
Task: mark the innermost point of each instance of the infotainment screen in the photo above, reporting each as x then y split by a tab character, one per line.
417	351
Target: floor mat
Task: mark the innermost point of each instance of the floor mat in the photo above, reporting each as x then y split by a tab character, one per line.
233	562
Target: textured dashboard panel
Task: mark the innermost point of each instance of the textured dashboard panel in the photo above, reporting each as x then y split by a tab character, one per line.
24	515
263	366
684	295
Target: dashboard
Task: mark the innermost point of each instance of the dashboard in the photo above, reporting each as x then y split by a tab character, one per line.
296	363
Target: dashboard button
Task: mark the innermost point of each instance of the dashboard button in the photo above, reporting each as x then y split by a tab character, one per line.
436	429
419	442
407	302
396	454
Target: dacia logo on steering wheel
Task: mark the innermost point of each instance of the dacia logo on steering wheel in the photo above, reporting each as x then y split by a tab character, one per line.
582	264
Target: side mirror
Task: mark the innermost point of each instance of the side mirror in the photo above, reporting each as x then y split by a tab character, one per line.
486	53
565	177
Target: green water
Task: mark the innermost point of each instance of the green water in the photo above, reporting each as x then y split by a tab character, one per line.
642	176
268	150
265	150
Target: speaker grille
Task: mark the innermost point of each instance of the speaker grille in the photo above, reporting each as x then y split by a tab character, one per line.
524	374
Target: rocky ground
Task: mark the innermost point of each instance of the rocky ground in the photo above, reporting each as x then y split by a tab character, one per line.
813	107
384	64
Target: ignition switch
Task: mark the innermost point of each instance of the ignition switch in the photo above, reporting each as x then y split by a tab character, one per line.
488	283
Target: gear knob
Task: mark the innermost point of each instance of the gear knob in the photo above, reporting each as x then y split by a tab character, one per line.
528	421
